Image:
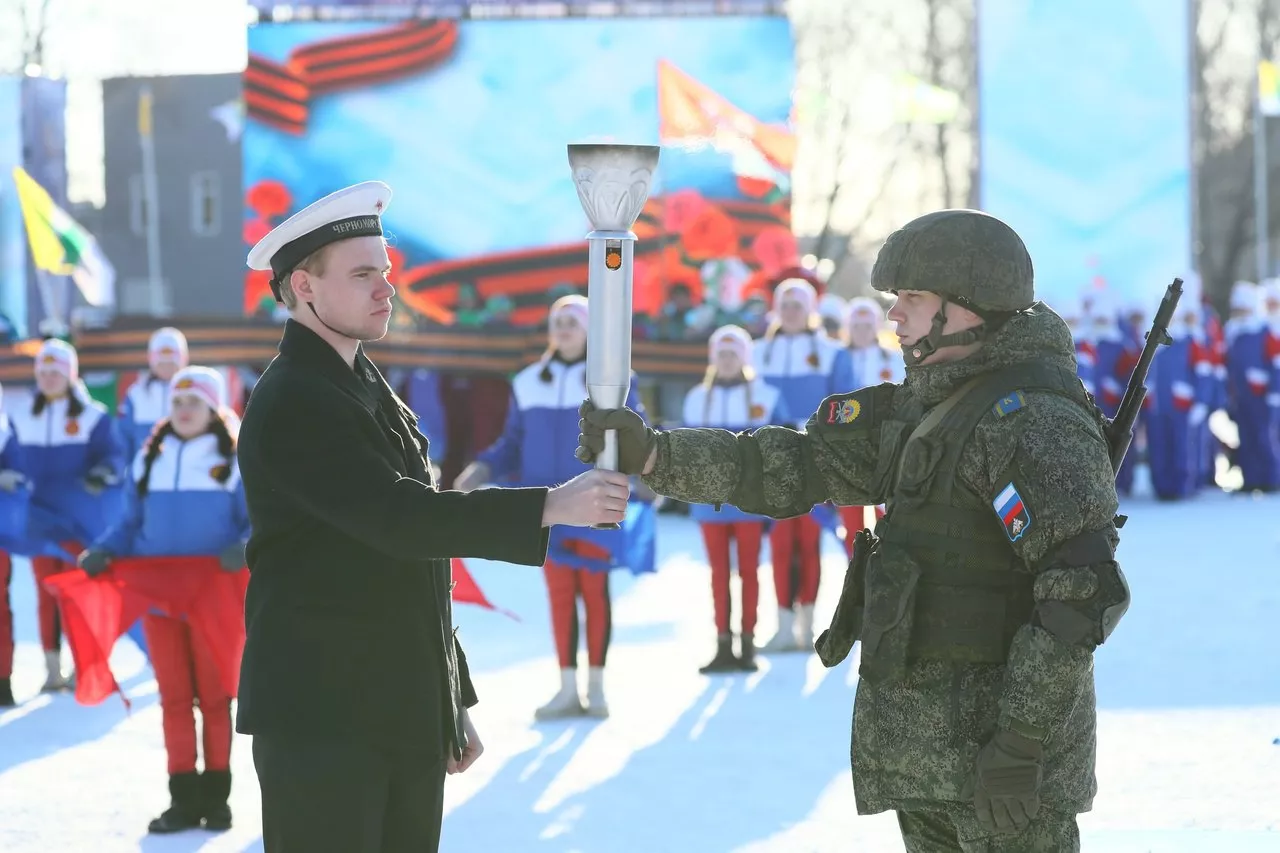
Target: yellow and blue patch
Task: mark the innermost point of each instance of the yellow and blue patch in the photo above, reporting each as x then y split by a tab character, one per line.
1009	405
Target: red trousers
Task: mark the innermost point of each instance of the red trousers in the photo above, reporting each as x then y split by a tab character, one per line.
6	617
47	614
854	520
186	675
564	587
748	535
790	536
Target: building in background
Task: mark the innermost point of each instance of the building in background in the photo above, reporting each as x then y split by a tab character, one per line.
195	126
33	137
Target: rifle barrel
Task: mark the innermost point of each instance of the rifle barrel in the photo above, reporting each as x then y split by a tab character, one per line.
1120	431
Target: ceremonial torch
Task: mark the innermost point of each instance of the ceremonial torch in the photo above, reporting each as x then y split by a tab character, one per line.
613	184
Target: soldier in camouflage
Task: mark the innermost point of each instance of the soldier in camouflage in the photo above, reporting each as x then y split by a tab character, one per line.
991	579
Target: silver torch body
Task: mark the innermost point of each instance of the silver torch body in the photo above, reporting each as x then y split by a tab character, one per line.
613	183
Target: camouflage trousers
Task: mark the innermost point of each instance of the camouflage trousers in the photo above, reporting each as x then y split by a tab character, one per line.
954	828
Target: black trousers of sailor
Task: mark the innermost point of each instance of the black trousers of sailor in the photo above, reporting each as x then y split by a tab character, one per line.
331	796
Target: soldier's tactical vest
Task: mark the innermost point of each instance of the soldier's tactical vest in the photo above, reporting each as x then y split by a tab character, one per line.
943	581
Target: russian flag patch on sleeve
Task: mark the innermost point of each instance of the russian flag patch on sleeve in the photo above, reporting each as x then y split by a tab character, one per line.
1012	511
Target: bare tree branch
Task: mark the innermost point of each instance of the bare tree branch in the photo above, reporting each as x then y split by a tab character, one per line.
41	28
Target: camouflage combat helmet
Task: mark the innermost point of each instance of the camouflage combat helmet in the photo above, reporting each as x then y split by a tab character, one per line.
966	257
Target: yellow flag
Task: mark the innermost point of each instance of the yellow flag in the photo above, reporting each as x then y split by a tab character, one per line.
1268	88
144	113
60	246
47	225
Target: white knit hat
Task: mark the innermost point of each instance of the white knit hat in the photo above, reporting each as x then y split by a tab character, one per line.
167	345
733	338
203	382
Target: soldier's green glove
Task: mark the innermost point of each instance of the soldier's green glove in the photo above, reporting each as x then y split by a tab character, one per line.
635	439
1006	782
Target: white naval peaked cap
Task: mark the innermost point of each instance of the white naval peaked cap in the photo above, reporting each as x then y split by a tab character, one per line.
354	211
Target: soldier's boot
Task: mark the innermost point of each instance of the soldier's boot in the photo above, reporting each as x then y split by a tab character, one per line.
596	704
566	703
747	653
725	660
215	790
6	694
185	805
54	681
804	627
785	639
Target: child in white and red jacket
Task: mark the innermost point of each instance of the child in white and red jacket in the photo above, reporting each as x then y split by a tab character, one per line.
186	499
70	449
732	397
806	366
146	401
872	363
536	448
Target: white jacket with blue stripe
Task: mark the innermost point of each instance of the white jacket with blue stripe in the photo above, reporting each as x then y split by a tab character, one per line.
186	510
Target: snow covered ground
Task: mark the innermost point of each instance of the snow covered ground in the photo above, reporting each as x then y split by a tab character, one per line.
1189	692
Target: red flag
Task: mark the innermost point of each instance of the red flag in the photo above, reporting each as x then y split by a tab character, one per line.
467	591
96	611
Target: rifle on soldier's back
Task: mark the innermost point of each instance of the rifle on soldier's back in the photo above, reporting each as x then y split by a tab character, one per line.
1120	429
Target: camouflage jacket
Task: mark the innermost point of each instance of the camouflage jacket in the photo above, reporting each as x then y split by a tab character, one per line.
915	739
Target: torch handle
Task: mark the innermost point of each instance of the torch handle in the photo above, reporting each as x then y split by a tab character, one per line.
608	458
608	461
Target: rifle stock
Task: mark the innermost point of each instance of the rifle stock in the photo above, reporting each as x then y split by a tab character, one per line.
1120	429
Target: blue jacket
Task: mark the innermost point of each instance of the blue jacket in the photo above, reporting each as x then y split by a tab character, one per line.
145	404
8	445
1249	372
422	394
541	432
807	368
56	453
1175	387
1109	353
13	505
738	407
186	510
536	449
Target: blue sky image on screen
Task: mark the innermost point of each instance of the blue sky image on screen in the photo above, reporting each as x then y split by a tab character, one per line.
474	149
1085	140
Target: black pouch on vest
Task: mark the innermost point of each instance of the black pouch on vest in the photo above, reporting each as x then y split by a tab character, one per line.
835	643
889	614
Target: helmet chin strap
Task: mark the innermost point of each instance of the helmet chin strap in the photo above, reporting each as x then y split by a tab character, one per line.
934	340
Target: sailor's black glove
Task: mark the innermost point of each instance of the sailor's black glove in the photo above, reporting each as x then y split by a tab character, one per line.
635	439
